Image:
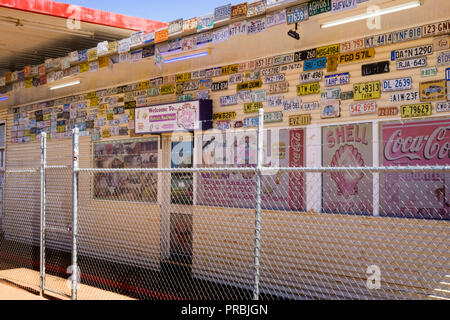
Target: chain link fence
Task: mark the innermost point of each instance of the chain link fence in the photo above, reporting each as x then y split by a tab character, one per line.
248	231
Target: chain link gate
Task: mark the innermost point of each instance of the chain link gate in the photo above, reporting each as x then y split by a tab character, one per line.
179	233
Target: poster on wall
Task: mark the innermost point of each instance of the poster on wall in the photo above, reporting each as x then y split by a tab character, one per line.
139	187
181	116
349	191
415	143
280	190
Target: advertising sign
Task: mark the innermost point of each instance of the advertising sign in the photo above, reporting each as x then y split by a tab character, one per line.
415	195
348	145
433	90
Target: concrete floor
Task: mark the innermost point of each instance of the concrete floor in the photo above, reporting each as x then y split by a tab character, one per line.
11	292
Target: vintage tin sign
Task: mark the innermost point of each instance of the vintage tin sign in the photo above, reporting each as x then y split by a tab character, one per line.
435	29
275	78
443	106
190	25
228	100
205	22
310	106
352	45
441	43
275	18
305	55
239	10
252	107
404	96
387	111
378	40
410	53
224	116
375	68
314	64
363	108
406	34
411	63
256	8
249	85
337	79
219	86
307	89
330	109
256	26
175	27
278	87
398	84
316	7
326	51
428	72
300	120
330	94
293	104
312	76
357	56
297	13
443	58
416	110
433	90
275	101
222	13
367	91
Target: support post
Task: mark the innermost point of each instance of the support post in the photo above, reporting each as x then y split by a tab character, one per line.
75	167
42	213
259	165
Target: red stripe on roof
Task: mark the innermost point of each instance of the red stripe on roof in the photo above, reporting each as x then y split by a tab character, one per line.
64	10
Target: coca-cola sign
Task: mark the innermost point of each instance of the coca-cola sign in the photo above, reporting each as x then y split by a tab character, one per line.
416	143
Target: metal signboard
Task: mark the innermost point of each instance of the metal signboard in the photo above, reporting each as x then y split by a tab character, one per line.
433	90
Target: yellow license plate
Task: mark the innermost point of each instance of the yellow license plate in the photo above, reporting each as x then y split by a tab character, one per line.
357	55
300	120
308	88
144	85
252	107
224	116
226	70
367	90
416	110
183	77
328	51
170	89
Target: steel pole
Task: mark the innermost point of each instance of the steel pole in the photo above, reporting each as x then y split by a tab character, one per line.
42	213
75	167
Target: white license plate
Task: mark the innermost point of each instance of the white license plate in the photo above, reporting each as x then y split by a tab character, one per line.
363	108
312	76
411	63
443	58
337	79
409	53
405	96
378	40
396	84
443	107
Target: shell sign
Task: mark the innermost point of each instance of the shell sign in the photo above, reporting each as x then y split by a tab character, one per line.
350	191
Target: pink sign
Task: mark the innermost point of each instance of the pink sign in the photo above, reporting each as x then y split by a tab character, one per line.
415	143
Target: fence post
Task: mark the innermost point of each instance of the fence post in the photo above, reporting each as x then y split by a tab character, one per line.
258	201
75	167
42	217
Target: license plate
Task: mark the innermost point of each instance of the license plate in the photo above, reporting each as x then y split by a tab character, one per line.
310	106
432	90
428	72
447	74
312	76
357	56
256	26
416	110
300	120
305	55
252	107
230	69
249	85
397	84
406	34
330	109
436	28
183	77
275	78
316	7
347	95
337	79
223	125
314	64
366	91
224	116
331	94
222	13
235	78
387	111
378	40
275	101
328	51
375	68
441	43
342	5
259	96
250	122
279	87
309	88
297	13
443	58
271	117
256	8
352	45
219	86
228	100
363	108
414	52
270	71
294	104
404	96
191	85
442	106
412	63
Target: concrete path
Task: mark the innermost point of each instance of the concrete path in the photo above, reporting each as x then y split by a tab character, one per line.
11	292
